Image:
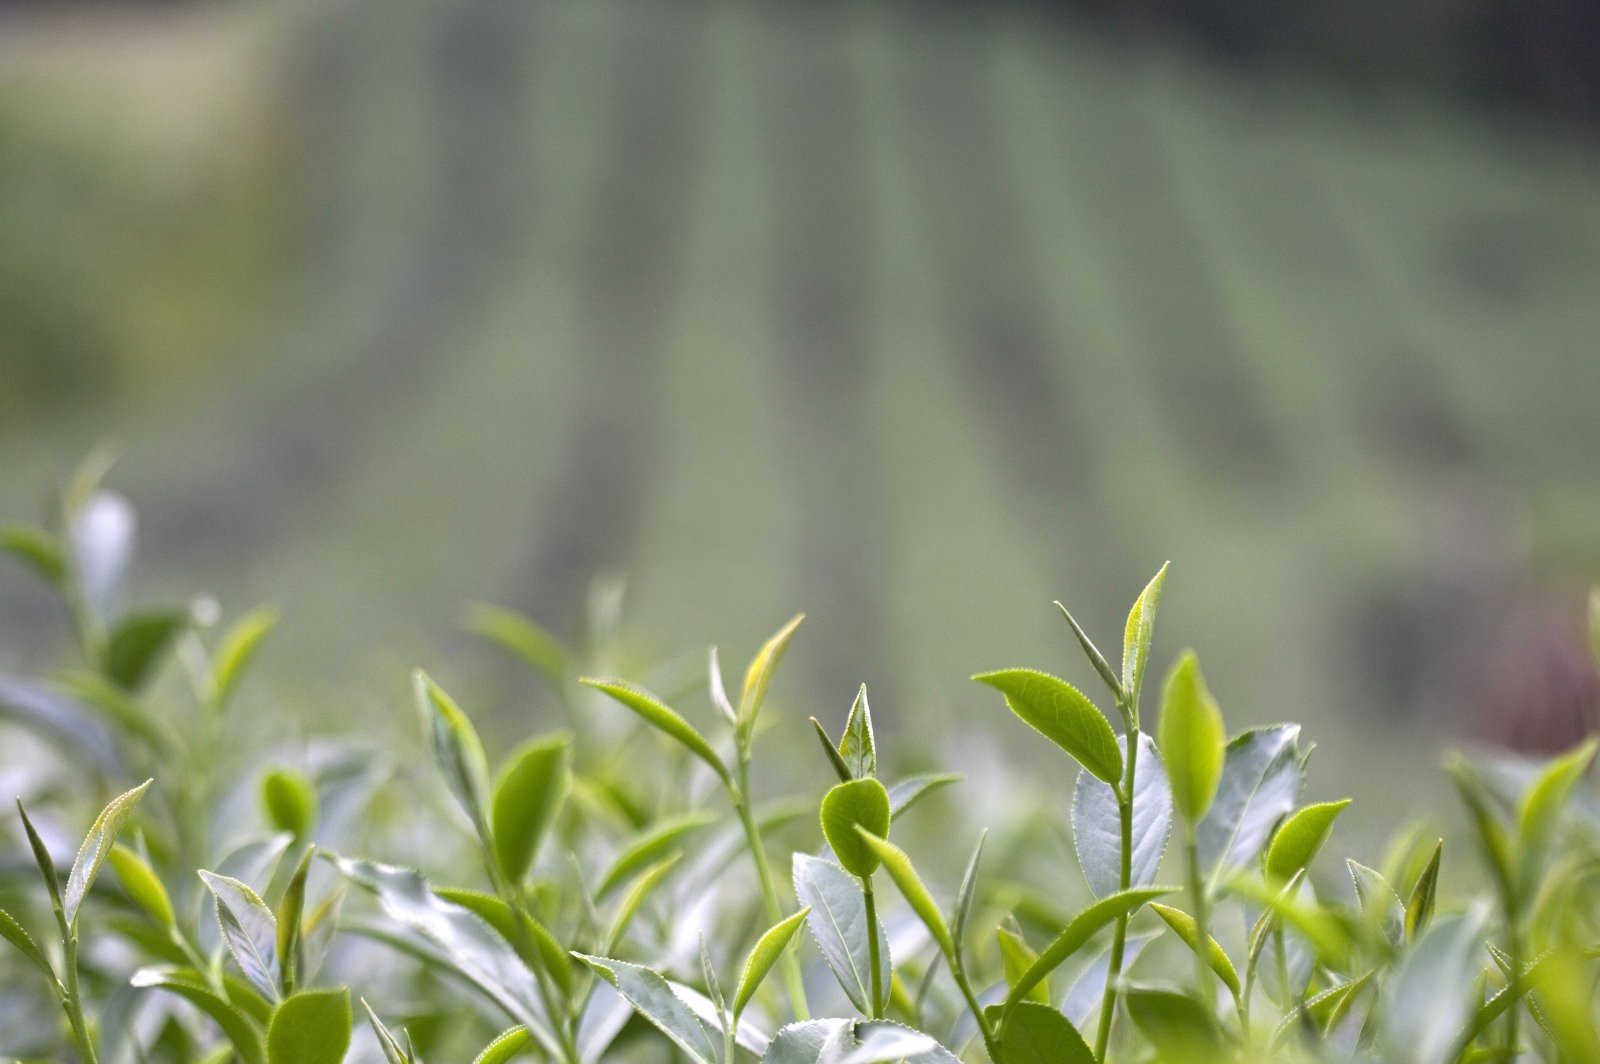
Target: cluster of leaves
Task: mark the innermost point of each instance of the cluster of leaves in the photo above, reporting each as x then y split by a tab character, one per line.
612	913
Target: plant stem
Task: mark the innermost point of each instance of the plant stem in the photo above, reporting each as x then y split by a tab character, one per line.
875	1007
1108	1000
958	970
793	983
1202	953
560	1019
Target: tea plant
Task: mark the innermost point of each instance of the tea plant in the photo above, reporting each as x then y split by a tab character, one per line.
612	894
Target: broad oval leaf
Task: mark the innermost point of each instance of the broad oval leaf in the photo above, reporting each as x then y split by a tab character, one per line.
1038	1034
142	884
659	715
1192	739
899	867
1062	714
862	803
456	748
1181	1029
837	920
653	998
187	984
1097	824
311	1027
1301	836
1260	784
852	1041
1077	932
96	846
250	930
289	801
527	796
135	647
531	939
857	746
763	956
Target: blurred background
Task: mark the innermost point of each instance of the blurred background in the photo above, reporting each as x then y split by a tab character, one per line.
912	316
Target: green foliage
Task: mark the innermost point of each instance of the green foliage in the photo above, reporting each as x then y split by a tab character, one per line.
861	803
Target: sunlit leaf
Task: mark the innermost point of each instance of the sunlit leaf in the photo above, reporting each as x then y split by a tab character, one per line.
658	715
857	747
898	865
1061	713
311	1027
456	750
1191	738
527	796
1078	931
1138	633
1297	841
142	884
236	650
521	635
862	803
1016	958
649	845
758	676
96	845
1184	927
289	801
763	956
242	1031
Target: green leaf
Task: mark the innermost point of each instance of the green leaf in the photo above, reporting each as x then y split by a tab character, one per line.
1540	807
142	884
96	845
1379	902
758	676
289	914
507	1046
840	769
393	1051
456	750
1061	713
1097	823
1429	999
1092	652
1419	906
1078	931
289	802
1137	635
18	936
189	985
1038	1034
1184	927
236	650
1016	958
135	647
41	857
530	938
763	956
856	746
250	930
650	844
38	550
652	997
1328	934
312	1027
639	890
1300	837
908	792
851	1041
658	715
1181	1029
861	803
527	796
1493	840
1191	738
1566	999
837	920
965	894
1260	784
522	636
916	894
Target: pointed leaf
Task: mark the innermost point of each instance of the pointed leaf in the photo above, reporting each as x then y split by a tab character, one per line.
840	769
1184	927
1191	738
1419	906
18	936
249	929
289	916
236	651
1541	804
861	803
507	1046
965	894
41	857
393	1052
1378	900
837	920
1038	1034
38	550
651	997
1092	652
916	894
1097	823
312	1027
1261	780
650	844
658	715
1138	633
532	940
1076	933
1301	836
758	676
1061	713
239	1028
520	635
456	750
528	794
857	747
763	956
96	845
136	646
142	884
1016	958
1430	998
639	890
719	690
911	790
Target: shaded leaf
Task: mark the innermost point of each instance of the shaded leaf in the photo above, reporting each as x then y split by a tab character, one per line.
238	1027
18	936
136	646
1097	823
289	801
1419	906
966	892
456	750
1038	1034
653	998
311	1027
38	550
1260	784
650	844
1430	997
840	769
837	920
1016	958
911	790
250	930
1180	1028
521	635
1077	932
1092	652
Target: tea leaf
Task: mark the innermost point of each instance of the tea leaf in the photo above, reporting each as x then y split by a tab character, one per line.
522	636
41	858
189	985
289	915
1493	841
456	750
916	894
289	801
966	892
527	796
249	929
1378	900
96	845
1260	783
1419	906
758	676
1181	1029
1430	998
652	997
506	1047
860	803
850	1041
38	550
1097	823
1184	927
1300	837
135	647
911	790
236	650
651	844
1038	1034
1083	997
18	936
635	896
312	1027
1191	739
837	920
1092	652
1016	957
856	746
142	884
393	1052
840	769
658	715
531	939
1078	931
1061	713
763	956
1541	804
1137	635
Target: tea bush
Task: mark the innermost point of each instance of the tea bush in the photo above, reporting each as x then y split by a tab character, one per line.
624	908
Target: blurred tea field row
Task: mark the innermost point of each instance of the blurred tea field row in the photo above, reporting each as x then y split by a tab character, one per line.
910	322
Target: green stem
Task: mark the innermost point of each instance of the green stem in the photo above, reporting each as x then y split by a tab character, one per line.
1202	932
1119	941
985	1028
793	982
71	999
560	1019
875	1006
